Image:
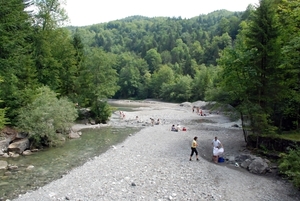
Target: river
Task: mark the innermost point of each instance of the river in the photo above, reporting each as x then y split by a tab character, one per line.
51	163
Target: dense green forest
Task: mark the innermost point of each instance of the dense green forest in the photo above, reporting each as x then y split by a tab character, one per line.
249	60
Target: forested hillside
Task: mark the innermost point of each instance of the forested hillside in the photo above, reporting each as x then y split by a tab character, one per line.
172	59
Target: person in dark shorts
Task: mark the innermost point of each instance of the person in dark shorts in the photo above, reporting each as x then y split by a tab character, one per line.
194	149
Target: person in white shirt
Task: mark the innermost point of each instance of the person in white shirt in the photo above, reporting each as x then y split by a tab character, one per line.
216	143
217	149
178	127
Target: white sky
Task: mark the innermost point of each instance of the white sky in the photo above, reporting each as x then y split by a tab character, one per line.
90	12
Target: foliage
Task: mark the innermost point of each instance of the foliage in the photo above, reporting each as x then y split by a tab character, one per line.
100	78
289	24
17	66
251	77
182	90
249	60
101	111
3	119
50	14
164	75
148	44
290	165
46	115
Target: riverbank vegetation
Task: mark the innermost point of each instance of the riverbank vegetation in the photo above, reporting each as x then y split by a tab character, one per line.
248	59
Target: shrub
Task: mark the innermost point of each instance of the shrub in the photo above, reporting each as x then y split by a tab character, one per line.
46	115
290	165
101	111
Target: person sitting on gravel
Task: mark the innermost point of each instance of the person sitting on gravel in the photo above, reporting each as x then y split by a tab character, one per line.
194	149
173	128
178	127
152	121
217	152
157	122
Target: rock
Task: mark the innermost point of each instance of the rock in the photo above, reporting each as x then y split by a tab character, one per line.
21	135
34	150
29	168
26	152
13	167
74	135
243	157
18	146
258	166
7	173
13	155
5	155
4	145
3	165
246	163
231	158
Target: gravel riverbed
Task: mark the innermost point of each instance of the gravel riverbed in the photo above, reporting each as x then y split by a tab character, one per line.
153	164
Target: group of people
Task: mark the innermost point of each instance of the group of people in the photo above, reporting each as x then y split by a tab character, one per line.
122	115
198	111
177	128
217	149
153	122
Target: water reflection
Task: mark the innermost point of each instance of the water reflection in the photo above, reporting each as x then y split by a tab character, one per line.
52	163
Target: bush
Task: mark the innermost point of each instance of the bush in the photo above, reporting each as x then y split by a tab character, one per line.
290	165
3	119
101	111
46	115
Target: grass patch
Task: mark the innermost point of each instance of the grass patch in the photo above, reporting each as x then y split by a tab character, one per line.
290	136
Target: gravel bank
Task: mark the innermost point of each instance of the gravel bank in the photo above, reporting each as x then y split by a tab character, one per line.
153	164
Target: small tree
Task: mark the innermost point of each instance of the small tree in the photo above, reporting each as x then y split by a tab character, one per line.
46	115
101	111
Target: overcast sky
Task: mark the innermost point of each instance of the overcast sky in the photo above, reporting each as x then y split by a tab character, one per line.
90	12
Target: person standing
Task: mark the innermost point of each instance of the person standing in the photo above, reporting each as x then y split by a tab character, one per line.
194	149
216	143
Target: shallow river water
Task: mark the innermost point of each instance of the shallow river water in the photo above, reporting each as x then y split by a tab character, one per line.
51	163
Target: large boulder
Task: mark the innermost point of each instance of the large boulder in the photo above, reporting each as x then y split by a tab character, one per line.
18	146
243	157
245	164
258	166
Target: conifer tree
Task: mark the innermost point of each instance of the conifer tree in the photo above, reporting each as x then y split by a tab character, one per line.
17	67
